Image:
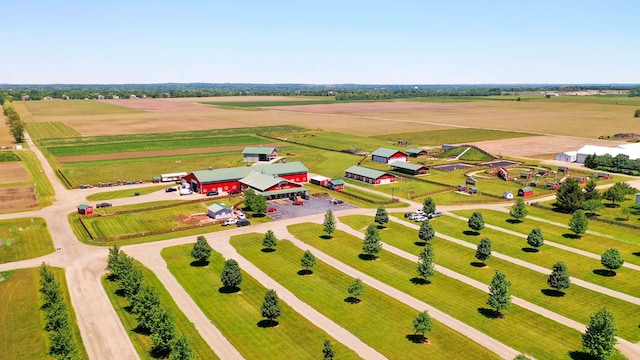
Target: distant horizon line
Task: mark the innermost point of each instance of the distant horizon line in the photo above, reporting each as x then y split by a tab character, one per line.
324	85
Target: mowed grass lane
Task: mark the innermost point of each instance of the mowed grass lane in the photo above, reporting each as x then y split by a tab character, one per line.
453	297
326	291
626	280
450	136
237	315
142	342
29	238
578	303
588	242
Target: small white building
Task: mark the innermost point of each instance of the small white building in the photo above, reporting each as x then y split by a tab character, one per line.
567	156
219	211
508	195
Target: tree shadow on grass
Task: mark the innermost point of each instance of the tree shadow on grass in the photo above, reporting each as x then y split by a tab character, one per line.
367	257
420	243
477	264
636	253
266	323
352	300
419	281
259	215
381	227
471	233
228	289
305	272
416	338
514	221
326	237
579	355
490	313
611	206
530	250
268	250
142	330
604	272
552	292
120	293
198	263
571	236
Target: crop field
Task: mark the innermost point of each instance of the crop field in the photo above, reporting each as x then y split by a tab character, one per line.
72	107
451	136
44	130
24	238
333	140
253	104
13	172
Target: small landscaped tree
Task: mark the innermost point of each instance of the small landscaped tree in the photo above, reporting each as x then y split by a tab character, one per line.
476	222
201	250
535	238
616	193
579	223
484	250
425	266
522	357
422	324
259	205
181	350
269	241
249	198
559	278
591	192
519	210
499	293
231	277
308	261
426	232
327	351
329	223
356	290
612	260
382	217
600	336
569	196
271	307
592	205
428	206
371	244
163	332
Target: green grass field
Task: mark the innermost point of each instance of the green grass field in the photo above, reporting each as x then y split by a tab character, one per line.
8	156
237	315
44	130
453	297
325	290
333	140
74	107
578	303
141	342
29	239
119	194
42	185
450	136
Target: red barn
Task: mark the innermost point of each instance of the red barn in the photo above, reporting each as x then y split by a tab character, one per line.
525	192
387	156
336	184
369	176
85	209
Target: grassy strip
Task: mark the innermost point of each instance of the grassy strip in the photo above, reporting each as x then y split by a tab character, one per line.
578	303
579	266
142	342
8	156
55	129
59	107
451	296
22	335
588	242
29	238
451	136
119	194
332	140
238	315
326	292
41	184
246	104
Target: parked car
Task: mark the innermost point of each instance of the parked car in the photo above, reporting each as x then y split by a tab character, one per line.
243	222
234	192
298	202
170	189
408	214
420	218
419	212
241	216
336	201
435	214
103	205
272	210
212	193
305	196
137	193
229	222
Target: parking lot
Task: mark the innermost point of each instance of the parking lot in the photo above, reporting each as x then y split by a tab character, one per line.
286	210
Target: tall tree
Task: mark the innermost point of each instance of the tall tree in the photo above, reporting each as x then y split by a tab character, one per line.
426	266
426	232
612	260
476	222
113	258
271	306
600	336
249	198
356	290
559	278
591	192
519	210
327	351
231	277
535	238
428	206
422	324
201	250
269	241
329	223
145	305
579	223
371	244
163	332
483	252
569	196
308	261
499	293
382	217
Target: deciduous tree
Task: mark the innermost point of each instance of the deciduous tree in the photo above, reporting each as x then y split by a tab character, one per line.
428	206
231	277
382	217
499	293
426	232
181	350
612	260
201	250
269	240
559	278
356	290
329	223
476	222
270	306
422	324
535	238
578	223
327	351
371	244
426	266
308	261
600	336
483	251
592	205
259	205
616	193
519	210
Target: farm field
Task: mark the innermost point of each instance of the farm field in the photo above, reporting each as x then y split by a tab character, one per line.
42	193
24	238
16	187
578	303
237	315
325	290
451	136
119	194
44	130
13	172
450	296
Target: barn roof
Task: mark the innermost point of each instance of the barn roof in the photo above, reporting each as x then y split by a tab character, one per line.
366	172
261	181
237	173
257	150
83	206
407	166
218	207
384	152
336	182
527	189
414	151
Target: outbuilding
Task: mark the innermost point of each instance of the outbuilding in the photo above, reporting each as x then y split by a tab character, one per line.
370	176
563	169
219	211
581	180
255	154
84	209
471	181
414	152
387	156
172	176
507	195
604	176
409	168
525	192
567	156
552	185
336	184
319	180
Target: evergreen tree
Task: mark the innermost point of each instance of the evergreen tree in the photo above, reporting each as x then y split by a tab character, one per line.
329	223
569	196
371	244
56	316
62	344
113	258
483	251
559	278
308	261
356	290
426	232
499	294
579	223
231	277
382	217
426	266
476	222
422	324
612	260
519	210
201	250
600	336
590	190
590	161
428	206
269	240
181	350
327	352
271	307
535	238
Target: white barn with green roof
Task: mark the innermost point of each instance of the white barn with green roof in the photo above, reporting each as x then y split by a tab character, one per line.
256	154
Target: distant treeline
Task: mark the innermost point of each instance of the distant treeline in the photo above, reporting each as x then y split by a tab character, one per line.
340	91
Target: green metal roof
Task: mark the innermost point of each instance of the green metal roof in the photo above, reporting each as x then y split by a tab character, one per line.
366	172
258	150
527	189
384	152
282	191
218	207
406	165
336	182
83	206
260	181
414	151
237	173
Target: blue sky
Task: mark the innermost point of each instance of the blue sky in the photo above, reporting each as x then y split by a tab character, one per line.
321	42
